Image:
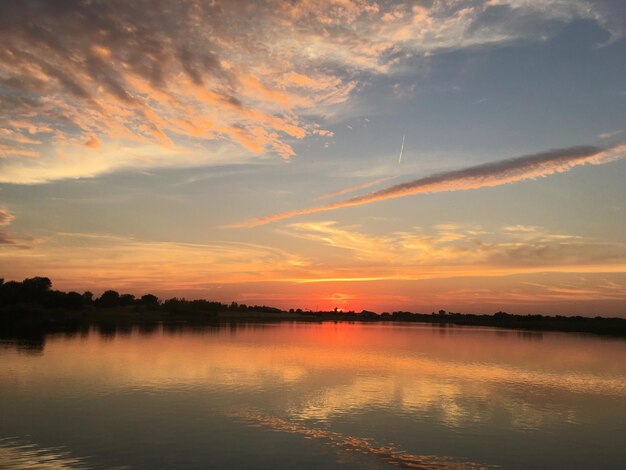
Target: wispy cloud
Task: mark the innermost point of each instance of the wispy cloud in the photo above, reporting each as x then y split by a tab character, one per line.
608	135
455	247
479	176
5	219
96	261
78	76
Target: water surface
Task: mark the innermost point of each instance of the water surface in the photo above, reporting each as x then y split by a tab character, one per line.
296	395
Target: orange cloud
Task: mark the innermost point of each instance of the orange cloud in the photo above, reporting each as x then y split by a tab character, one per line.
93	142
13	150
265	76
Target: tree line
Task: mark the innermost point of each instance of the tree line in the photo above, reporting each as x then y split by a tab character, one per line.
37	293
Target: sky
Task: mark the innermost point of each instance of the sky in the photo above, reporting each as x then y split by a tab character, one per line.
465	155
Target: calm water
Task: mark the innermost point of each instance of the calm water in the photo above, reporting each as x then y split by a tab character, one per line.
313	396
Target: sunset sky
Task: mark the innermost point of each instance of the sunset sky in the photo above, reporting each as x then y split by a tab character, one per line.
383	155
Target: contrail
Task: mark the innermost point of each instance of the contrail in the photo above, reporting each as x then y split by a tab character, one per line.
486	175
366	184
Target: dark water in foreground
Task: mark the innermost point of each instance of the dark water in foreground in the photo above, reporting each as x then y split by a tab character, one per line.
314	396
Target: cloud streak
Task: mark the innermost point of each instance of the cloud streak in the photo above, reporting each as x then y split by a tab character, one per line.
486	175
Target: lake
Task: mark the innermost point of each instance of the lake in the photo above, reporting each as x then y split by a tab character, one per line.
312	395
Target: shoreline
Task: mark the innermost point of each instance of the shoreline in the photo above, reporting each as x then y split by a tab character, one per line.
48	321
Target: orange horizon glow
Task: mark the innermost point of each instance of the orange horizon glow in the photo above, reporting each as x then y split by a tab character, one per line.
460	277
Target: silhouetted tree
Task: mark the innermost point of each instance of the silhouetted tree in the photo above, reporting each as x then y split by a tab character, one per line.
109	299
35	289
37	284
127	300
366	314
11	293
29	291
201	307
151	302
73	300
